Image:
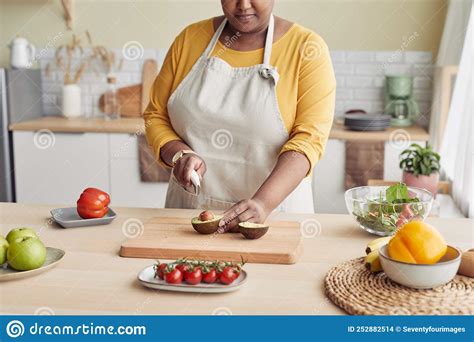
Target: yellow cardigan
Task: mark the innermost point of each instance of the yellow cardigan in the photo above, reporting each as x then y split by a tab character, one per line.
306	89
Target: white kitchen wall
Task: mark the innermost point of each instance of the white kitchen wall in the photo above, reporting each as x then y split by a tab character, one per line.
360	79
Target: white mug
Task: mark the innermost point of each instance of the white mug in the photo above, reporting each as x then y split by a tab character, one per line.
22	53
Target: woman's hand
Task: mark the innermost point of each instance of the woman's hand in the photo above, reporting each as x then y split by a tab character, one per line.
184	167
252	210
290	169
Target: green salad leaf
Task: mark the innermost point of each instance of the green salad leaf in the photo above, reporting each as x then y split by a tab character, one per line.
384	214
397	193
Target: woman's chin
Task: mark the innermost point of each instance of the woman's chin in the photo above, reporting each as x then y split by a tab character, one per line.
245	25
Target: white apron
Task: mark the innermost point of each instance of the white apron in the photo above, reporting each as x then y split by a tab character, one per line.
230	117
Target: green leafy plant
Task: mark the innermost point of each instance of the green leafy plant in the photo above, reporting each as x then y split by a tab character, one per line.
420	160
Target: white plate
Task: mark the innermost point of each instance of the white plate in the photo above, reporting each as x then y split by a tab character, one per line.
53	257
147	278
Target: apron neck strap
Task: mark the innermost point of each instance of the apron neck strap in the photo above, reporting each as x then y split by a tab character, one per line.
268	41
215	38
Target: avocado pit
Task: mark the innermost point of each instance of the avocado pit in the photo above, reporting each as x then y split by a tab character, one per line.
206	215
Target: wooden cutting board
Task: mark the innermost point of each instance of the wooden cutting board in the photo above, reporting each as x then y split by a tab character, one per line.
133	99
173	238
150	69
130	99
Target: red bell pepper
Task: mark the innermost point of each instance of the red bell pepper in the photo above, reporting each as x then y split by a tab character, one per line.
93	203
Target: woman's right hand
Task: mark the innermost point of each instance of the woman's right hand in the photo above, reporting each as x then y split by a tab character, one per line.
184	167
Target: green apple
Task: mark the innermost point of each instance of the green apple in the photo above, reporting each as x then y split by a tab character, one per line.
3	250
26	253
20	232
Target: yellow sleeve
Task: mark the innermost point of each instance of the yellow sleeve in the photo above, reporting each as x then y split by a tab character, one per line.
316	101
157	122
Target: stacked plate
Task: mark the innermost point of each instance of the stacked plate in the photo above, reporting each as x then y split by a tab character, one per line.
367	122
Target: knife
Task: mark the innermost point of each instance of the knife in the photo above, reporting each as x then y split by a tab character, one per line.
196	182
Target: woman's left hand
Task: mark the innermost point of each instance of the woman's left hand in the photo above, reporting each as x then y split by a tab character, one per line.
252	210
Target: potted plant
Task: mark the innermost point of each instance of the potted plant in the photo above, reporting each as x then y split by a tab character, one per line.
420	167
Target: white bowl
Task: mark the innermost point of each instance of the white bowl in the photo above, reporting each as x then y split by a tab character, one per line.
421	276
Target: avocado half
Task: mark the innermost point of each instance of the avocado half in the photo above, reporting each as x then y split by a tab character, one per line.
206	227
253	231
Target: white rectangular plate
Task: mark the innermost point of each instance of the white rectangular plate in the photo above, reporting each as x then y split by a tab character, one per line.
147	278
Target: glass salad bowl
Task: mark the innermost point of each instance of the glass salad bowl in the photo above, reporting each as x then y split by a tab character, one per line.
380	210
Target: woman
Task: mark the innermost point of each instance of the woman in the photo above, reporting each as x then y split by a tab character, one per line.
245	100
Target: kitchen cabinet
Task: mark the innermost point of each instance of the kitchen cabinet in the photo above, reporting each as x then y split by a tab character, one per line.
126	187
328	179
54	168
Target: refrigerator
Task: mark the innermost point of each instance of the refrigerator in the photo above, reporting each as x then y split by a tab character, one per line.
20	100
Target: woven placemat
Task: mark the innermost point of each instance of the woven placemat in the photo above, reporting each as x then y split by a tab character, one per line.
359	292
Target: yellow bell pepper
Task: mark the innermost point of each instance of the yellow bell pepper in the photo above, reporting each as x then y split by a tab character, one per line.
417	243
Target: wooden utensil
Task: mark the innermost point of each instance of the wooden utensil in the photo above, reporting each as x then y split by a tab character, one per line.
130	100
134	99
150	69
173	238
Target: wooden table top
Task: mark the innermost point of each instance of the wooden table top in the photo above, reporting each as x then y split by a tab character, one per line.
136	126
93	279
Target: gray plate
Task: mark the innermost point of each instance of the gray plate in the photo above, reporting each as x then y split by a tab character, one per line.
357	121
53	257
147	278
368	128
366	123
367	117
69	218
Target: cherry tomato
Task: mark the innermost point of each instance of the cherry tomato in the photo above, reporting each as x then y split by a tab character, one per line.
174	276
210	277
182	267
193	277
228	275
160	270
219	268
407	213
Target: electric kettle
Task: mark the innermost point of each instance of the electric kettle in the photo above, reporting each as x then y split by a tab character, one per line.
22	53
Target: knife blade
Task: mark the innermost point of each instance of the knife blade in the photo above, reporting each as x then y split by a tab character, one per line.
196	182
